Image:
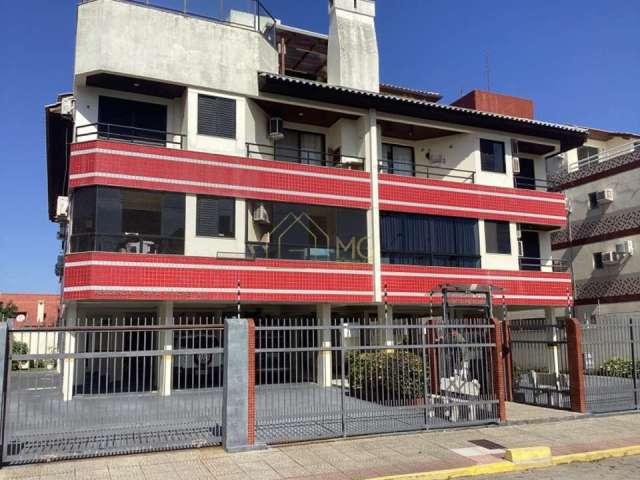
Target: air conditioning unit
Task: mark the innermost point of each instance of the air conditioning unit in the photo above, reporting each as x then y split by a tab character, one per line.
610	258
350	161
516	165
62	208
276	128
437	159
261	214
604	196
59	266
67	105
520	248
625	248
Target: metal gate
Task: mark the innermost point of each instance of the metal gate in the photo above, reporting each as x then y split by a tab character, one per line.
538	362
358	376
611	349
114	386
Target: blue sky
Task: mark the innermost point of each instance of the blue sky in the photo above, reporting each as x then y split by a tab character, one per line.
578	59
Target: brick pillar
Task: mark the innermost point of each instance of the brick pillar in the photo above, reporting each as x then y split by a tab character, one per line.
239	400
498	369
508	360
576	366
434	375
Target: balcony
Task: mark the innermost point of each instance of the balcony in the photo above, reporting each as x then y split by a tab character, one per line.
304	156
543	265
129	134
410	169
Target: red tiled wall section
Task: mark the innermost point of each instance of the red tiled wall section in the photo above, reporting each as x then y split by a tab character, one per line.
28	303
497	103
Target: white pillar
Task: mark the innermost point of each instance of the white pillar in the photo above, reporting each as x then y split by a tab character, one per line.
323	312
165	367
385	317
373	215
68	364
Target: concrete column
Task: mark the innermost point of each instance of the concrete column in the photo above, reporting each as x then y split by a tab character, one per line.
68	364
373	215
323	312
550	319
576	366
165	367
386	335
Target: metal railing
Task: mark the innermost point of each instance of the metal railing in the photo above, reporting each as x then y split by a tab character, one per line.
358	376
290	251
411	169
609	154
304	156
125	133
112	386
249	14
126	243
543	264
611	349
529	183
430	259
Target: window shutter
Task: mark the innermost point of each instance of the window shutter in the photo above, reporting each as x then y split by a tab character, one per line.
207	217
216	116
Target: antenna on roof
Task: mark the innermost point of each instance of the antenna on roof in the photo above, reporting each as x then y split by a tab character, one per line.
488	71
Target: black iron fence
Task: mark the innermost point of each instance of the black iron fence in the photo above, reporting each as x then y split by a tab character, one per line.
130	134
411	169
304	156
611	350
357	376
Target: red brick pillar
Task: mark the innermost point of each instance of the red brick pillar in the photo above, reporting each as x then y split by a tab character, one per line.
498	369
251	382
576	366
508	360
432	355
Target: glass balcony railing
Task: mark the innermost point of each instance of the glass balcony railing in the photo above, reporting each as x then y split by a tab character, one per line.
127	243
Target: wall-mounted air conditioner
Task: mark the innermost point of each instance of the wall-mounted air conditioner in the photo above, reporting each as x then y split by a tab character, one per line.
437	159
516	165
520	248
610	258
515	156
276	128
625	248
261	214
62	209
605	196
67	105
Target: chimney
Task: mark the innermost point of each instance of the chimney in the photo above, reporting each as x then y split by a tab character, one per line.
352	58
496	103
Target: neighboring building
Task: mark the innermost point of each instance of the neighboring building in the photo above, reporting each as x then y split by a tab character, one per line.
209	157
601	181
33	309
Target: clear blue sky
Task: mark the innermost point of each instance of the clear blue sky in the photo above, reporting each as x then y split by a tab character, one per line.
578	59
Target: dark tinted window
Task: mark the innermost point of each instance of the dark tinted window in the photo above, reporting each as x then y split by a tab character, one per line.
301	147
215	217
585	152
497	236
492	156
597	261
129	120
593	200
398	159
216	116
429	240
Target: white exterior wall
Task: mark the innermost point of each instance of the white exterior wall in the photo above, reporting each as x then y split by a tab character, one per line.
170	47
499	261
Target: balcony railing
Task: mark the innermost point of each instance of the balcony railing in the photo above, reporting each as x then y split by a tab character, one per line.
609	154
304	156
248	14
431	259
529	183
289	251
410	169
125	133
543	264
127	243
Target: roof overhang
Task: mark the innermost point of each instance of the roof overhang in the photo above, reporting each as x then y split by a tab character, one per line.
569	137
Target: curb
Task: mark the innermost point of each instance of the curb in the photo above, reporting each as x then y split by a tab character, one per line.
504	466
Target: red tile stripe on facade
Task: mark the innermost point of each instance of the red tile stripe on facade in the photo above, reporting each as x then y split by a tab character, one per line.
197	172
424	197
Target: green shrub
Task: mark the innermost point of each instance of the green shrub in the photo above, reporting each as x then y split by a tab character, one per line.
386	375
619	367
18	348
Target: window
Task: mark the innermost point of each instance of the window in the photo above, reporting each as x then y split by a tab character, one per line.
492	156
132	121
597	261
593	201
497	236
586	151
108	219
412	239
301	147
398	159
215	217
308	232
216	116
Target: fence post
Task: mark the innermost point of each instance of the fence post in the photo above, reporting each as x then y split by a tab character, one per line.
434	377
239	402
576	366
508	360
5	368
498	369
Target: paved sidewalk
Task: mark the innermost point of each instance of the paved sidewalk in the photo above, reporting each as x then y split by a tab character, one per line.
353	458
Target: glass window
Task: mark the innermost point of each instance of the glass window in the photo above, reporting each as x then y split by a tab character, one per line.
597	261
593	200
308	232
497	236
133	121
301	147
586	151
215	217
492	156
412	239
109	219
398	159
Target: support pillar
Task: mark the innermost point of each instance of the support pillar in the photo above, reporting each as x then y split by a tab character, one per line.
165	367
373	215
69	347
239	399
323	313
498	369
386	335
576	366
